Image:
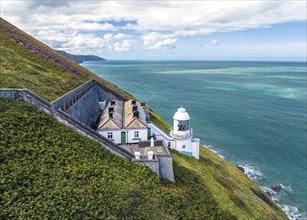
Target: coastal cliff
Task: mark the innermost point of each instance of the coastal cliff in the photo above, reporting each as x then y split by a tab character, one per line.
51	171
80	58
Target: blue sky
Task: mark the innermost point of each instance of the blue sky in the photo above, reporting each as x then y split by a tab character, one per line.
167	30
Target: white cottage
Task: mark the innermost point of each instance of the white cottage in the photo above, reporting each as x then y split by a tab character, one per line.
135	124
123	122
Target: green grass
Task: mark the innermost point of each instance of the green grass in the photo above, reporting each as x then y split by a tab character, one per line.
20	68
155	118
33	65
50	171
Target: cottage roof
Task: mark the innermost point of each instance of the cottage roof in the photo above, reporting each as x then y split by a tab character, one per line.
116	107
134	111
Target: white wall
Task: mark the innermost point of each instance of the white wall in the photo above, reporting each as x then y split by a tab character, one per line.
195	149
130	135
116	135
187	142
161	135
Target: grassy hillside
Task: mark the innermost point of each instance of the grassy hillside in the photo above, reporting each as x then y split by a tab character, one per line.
58	173
49	171
27	63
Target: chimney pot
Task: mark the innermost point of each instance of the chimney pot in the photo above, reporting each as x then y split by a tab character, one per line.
150	155
134	107
137	155
111	109
136	114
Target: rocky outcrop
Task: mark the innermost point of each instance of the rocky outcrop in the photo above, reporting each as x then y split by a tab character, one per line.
241	168
276	188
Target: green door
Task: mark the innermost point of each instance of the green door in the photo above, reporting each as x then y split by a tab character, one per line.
123	137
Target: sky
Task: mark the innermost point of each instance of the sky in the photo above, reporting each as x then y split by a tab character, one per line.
166	30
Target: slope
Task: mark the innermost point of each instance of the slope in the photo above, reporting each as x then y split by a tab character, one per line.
44	163
24	55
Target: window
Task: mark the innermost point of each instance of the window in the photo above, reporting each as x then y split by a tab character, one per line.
136	134
183	146
110	135
183	125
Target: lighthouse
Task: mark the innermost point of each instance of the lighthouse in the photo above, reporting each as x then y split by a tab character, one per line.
182	134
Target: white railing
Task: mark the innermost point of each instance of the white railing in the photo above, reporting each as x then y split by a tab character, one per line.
188	134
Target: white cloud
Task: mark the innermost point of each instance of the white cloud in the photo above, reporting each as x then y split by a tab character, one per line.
126	45
80	43
67	23
155	41
214	42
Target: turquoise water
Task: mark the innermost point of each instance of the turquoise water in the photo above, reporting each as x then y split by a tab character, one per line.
251	113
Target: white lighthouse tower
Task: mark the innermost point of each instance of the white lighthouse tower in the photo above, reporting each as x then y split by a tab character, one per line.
183	134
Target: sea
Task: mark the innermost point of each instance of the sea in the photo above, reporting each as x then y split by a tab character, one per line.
253	114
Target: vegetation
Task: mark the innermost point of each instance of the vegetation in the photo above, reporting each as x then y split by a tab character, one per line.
155	118
33	72
49	171
27	63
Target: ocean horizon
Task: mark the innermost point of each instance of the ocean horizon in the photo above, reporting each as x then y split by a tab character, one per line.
252	113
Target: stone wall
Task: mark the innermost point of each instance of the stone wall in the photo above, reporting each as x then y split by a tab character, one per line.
65	99
151	164
87	109
82	103
166	167
9	93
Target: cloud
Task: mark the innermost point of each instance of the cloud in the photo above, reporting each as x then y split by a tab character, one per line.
126	45
214	42
155	41
157	24
87	43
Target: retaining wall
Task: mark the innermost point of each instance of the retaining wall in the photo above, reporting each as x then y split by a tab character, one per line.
65	99
87	109
151	164
82	103
166	167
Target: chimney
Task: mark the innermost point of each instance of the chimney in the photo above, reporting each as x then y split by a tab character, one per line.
111	109
137	155
134	107
111	114
113	102
152	142
133	102
150	155
102	105
136	114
